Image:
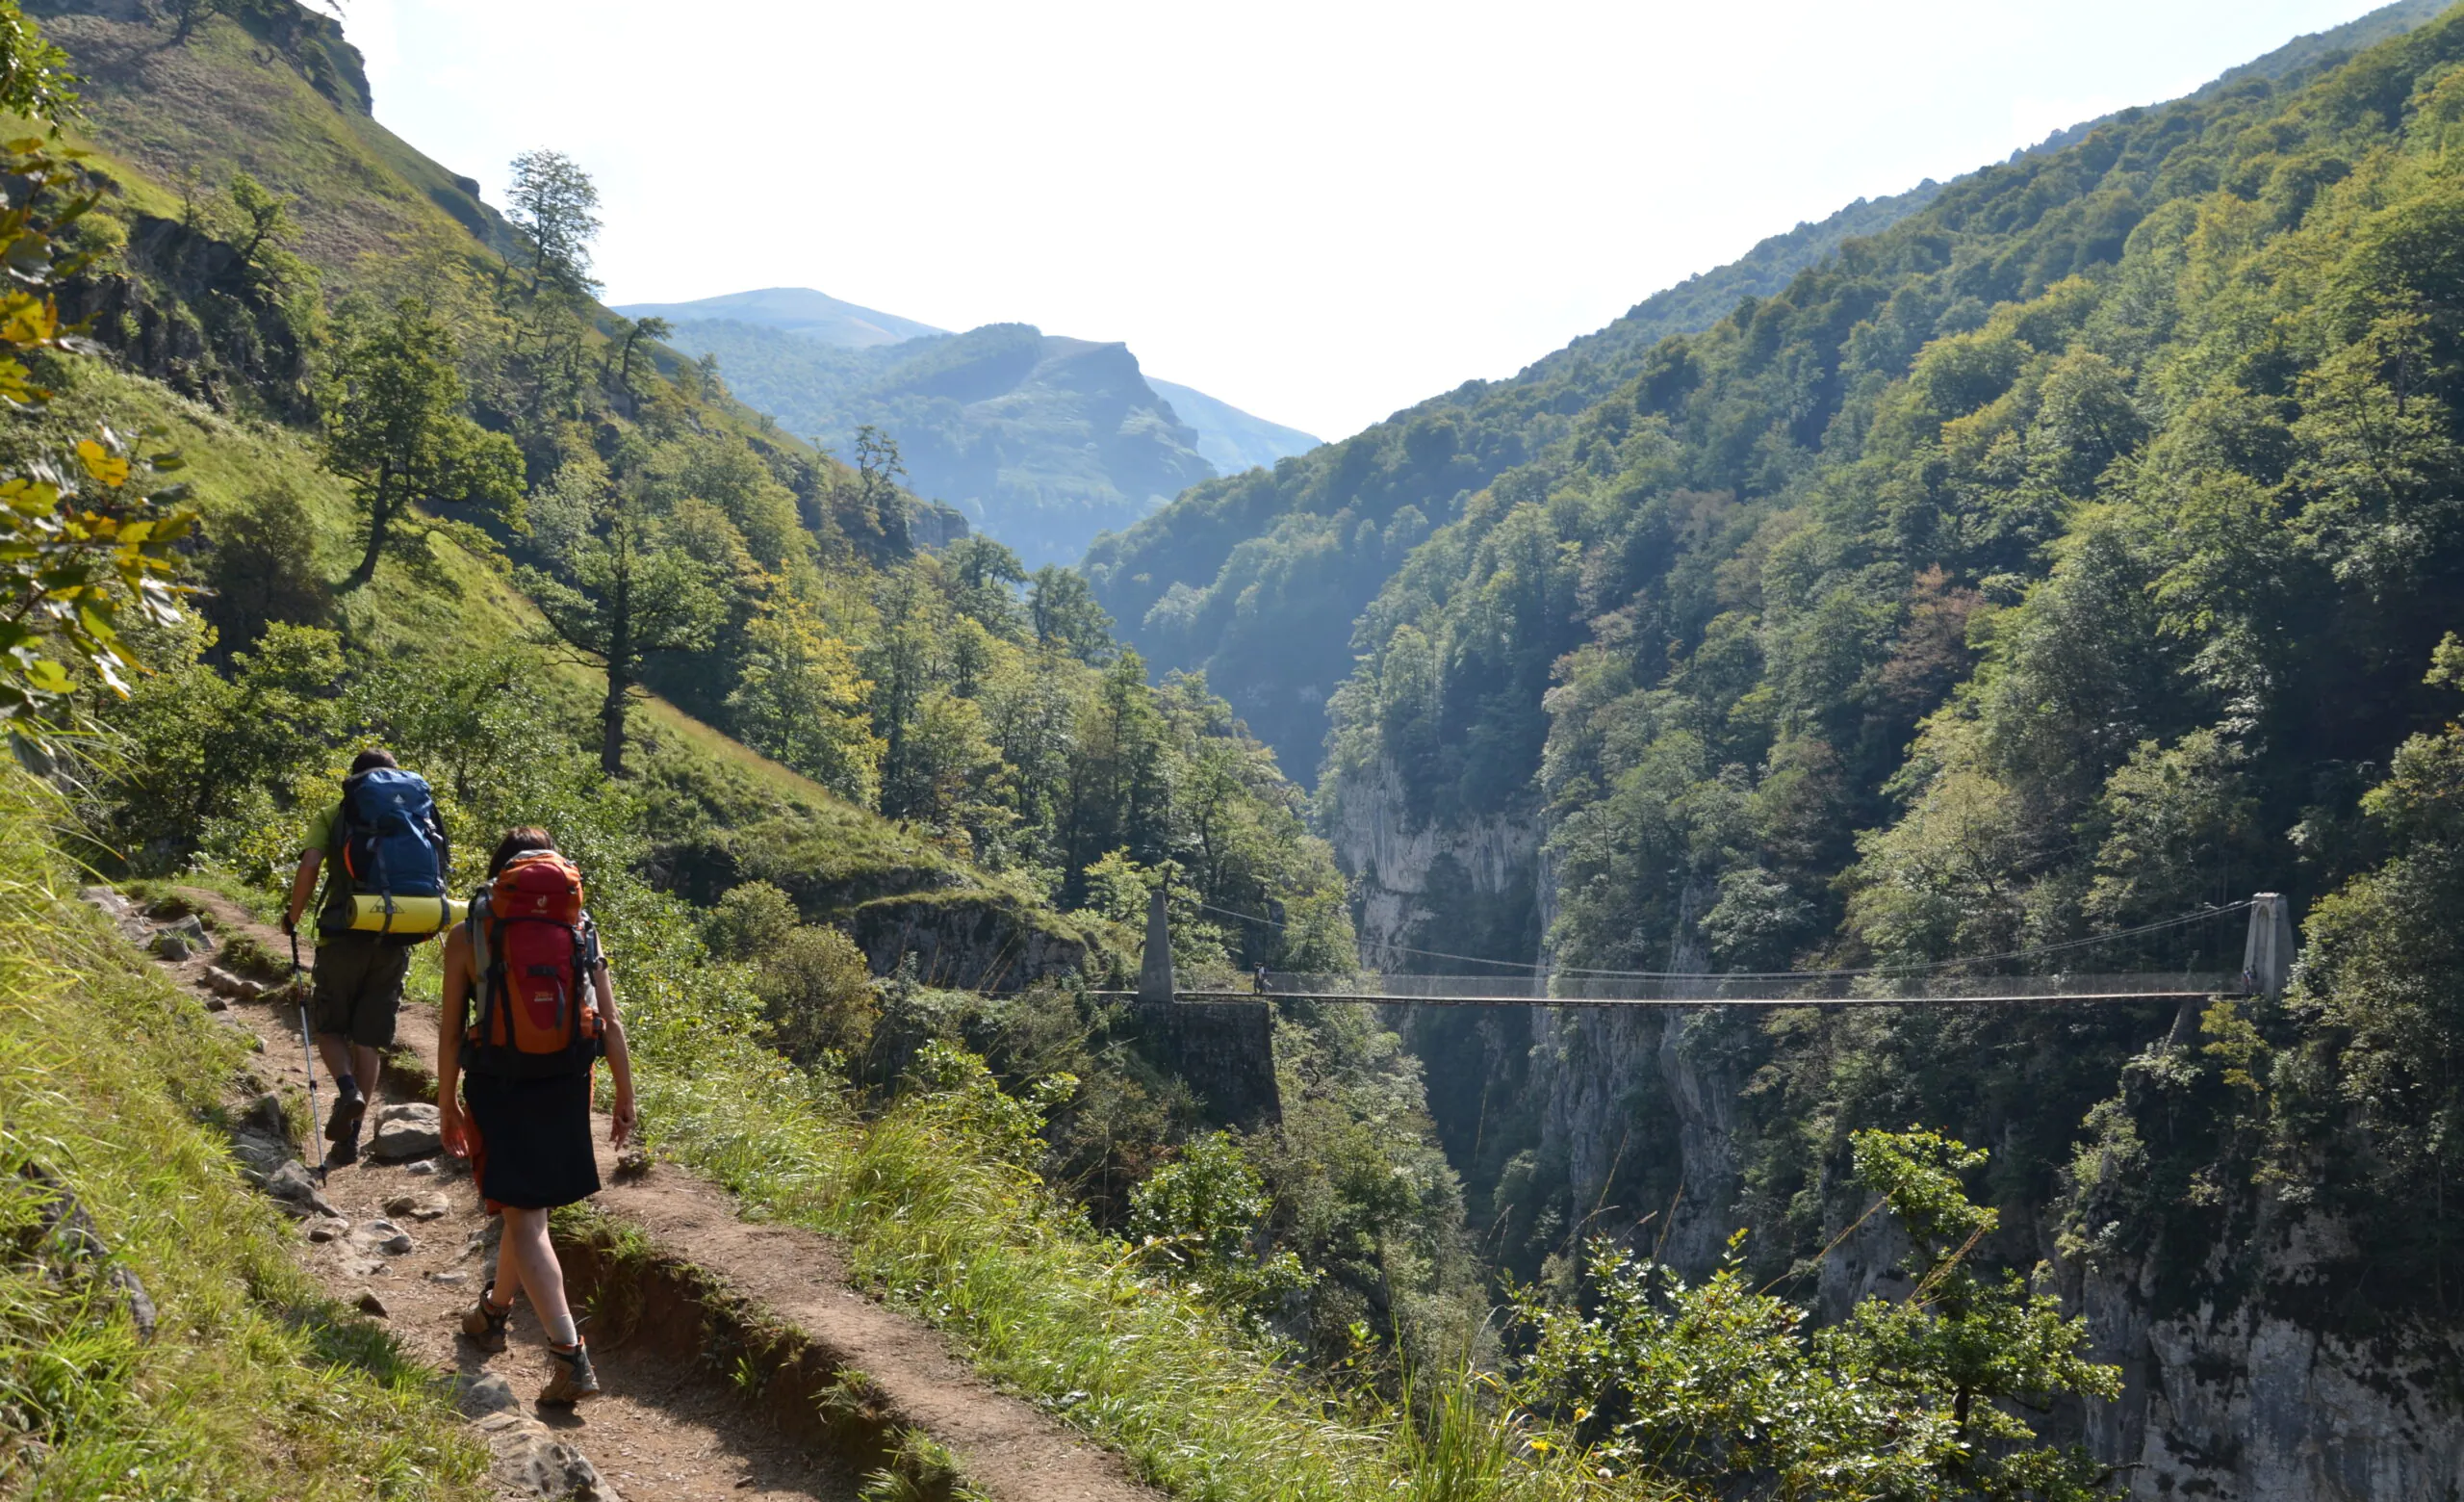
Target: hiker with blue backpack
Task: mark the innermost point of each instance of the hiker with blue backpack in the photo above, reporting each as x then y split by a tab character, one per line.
383	852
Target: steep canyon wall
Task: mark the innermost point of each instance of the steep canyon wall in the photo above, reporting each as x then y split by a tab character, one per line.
1570	1123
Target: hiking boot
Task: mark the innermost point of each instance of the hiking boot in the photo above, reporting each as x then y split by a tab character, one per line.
485	1321
342	1128
570	1377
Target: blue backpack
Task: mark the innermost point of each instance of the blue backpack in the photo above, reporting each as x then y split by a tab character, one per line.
389	842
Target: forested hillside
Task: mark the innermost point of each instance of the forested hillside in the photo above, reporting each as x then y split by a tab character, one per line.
2077	552
1258	579
1042	441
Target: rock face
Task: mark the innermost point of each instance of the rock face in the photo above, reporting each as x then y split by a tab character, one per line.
963	940
1406	870
1225	1049
2245	1403
408	1131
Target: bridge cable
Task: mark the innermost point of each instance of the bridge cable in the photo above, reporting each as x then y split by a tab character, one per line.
1821	975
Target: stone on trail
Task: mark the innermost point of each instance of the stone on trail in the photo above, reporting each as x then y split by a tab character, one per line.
419	1206
296	1191
105	898
408	1131
236	988
170	944
264	1115
330	1228
389	1238
487	1393
370	1303
422	1169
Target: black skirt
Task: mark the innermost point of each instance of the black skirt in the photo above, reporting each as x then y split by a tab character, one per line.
534	1148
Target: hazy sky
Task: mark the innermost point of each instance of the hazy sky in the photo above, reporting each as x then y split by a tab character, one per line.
1318	209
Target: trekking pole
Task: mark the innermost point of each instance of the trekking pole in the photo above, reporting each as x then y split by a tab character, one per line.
307	1047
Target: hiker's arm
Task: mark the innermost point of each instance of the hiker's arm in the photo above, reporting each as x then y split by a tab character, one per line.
448	1042
303	885
620	1059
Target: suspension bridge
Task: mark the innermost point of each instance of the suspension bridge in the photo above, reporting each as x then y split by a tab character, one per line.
2049	975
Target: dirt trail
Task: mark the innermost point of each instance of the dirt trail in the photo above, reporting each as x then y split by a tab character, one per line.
684	1416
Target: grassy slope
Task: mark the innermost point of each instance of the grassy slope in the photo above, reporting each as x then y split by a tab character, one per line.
254	1385
217	104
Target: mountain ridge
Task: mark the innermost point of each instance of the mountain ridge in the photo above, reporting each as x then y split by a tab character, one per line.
1044	441
1201	583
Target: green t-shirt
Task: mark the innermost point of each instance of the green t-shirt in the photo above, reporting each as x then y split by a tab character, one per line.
320	840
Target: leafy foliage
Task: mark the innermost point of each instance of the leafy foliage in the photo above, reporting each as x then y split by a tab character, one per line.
1723	1384
85	531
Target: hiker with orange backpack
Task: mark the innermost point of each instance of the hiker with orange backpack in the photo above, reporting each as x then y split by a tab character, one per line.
382	850
528	1008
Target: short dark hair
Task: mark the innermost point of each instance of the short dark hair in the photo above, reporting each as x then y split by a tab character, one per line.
519	842
370	760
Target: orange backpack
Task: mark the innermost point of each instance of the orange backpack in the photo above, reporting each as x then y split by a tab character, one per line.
537	1014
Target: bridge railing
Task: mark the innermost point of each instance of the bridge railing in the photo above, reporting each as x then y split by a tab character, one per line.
1874	988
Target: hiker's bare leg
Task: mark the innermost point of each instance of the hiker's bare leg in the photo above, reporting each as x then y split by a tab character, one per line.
357	1062
526	1260
336	1050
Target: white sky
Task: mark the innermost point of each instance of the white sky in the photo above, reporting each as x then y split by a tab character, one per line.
1317	210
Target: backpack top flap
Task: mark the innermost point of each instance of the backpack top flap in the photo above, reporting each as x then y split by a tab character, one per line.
537	883
392	840
537	1014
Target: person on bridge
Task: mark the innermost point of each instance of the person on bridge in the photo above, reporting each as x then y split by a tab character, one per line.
529	1011
381	846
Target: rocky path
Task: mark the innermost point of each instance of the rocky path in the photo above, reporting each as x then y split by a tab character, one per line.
678	1419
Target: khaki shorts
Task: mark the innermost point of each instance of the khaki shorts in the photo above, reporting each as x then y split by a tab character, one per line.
358	989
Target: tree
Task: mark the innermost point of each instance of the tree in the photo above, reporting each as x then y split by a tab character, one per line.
394	429
554	205
1065	615
984	573
799	698
35	81
187	15
635	331
878	472
618	589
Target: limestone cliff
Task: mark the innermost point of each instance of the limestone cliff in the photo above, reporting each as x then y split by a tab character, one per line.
1416	882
